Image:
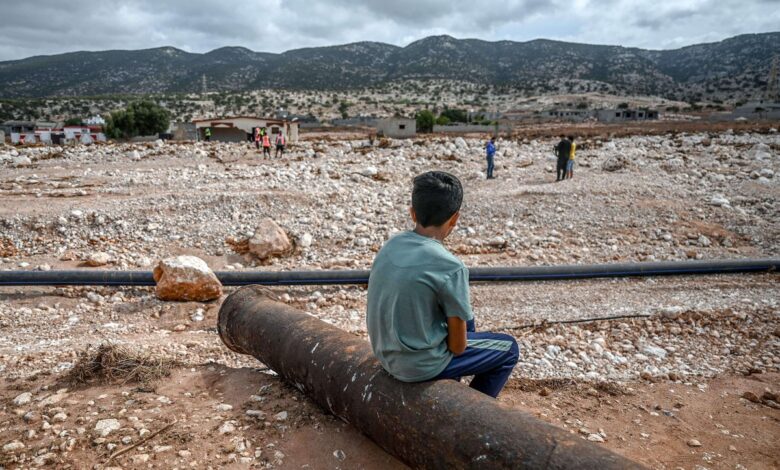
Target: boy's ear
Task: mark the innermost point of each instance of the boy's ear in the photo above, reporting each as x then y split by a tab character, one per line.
454	219
413	214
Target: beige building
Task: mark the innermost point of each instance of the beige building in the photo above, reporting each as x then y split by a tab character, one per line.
241	128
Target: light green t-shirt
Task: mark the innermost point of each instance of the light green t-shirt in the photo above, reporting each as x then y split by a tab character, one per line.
415	285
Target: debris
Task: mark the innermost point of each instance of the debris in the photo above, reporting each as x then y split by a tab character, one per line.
186	278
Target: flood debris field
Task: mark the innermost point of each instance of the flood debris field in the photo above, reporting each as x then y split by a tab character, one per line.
638	386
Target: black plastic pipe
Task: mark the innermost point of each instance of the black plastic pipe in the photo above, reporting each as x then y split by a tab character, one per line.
90	277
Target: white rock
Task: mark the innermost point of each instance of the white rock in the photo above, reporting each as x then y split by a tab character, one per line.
654	351
369	171
595	438
22	399
98	258
223	407
719	200
12	447
306	240
281	416
105	426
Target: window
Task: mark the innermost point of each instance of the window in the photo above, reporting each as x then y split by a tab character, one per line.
617	114
401	126
274	130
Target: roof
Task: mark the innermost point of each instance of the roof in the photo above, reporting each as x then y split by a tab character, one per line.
228	118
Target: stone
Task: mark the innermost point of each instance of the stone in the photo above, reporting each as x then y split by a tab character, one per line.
281	416
752	397
258	414
224	407
21	161
269	240
614	164
524	161
719	200
339	454
227	428
186	278
654	351
22	399
306	240
595	438
98	258
369	171
693	443
104	427
12	447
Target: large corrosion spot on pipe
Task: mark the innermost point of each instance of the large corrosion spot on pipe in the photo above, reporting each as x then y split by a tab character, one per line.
441	424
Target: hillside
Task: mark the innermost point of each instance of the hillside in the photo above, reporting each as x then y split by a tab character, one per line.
737	67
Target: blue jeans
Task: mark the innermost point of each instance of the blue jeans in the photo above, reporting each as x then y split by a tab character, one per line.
489	357
490	165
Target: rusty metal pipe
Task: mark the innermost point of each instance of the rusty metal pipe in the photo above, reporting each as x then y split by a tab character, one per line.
440	424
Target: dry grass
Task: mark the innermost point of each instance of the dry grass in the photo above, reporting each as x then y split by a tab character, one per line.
110	363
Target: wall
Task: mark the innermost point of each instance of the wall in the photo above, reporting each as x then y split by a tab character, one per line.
391	128
462	128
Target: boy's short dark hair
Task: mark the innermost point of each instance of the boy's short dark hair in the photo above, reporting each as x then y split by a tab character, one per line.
571	137
436	196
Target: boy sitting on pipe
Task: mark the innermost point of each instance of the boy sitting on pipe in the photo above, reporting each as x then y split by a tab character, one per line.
419	312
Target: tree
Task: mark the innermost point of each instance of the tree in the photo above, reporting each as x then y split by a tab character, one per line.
424	120
442	121
140	118
455	115
343	107
74	121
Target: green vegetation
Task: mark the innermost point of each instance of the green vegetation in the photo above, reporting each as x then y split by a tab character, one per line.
140	118
425	121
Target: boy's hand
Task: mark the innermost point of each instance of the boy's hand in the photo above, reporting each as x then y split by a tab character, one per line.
456	335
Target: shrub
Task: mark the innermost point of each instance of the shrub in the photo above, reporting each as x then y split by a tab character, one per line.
140	118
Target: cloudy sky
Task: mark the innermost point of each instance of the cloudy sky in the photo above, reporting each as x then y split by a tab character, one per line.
30	28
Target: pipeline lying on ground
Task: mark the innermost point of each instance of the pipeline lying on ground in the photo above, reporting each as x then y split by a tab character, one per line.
493	274
441	424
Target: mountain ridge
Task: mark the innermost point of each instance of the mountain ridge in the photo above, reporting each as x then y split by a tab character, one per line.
737	65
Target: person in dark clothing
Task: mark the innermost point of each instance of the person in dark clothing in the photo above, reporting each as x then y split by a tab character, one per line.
562	151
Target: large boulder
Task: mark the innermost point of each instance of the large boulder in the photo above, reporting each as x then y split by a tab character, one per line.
186	278
269	240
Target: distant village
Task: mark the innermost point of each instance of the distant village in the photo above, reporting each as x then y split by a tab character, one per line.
243	127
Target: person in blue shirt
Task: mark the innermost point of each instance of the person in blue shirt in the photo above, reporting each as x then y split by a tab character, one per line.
490	148
418	312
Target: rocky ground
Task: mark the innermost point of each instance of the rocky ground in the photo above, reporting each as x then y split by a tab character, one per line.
700	342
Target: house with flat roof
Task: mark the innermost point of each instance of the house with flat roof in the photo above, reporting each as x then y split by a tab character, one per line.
396	127
242	128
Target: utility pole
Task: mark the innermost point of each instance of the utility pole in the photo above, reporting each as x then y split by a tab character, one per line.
772	86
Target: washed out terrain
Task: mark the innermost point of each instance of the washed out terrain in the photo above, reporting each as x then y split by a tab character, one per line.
690	381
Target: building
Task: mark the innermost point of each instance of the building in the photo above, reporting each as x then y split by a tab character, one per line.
96	120
626	114
567	114
19	131
241	128
396	127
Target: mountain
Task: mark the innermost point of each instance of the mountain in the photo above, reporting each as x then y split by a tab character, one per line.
738	65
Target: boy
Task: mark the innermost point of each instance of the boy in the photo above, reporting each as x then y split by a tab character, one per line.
490	149
419	313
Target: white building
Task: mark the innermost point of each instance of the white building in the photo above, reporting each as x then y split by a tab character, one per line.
241	128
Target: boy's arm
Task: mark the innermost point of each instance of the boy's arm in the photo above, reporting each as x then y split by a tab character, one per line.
456	303
456	335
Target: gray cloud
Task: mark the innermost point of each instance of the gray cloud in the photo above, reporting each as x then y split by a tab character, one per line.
49	27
